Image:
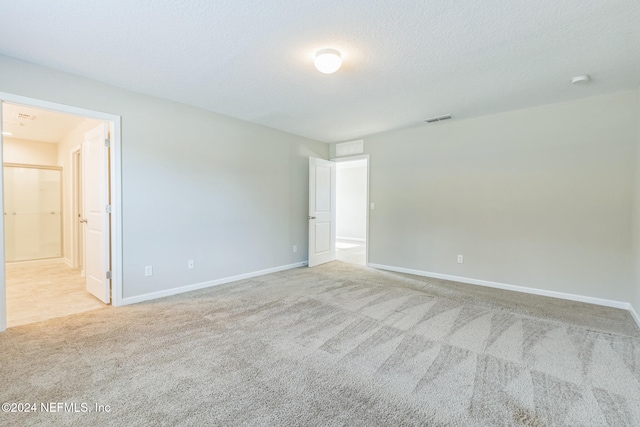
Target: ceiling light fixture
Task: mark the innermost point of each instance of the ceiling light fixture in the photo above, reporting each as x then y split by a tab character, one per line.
581	79
328	61
7	133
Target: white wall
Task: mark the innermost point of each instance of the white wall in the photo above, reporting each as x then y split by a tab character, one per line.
71	142
231	195
29	152
540	197
351	200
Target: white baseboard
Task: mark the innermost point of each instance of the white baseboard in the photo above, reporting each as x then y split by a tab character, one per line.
634	315
355	239
196	286
534	291
44	261
68	262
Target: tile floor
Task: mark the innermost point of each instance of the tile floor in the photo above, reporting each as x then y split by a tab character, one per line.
45	290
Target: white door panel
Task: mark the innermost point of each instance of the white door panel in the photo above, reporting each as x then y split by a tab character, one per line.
322	211
323	188
96	198
323	233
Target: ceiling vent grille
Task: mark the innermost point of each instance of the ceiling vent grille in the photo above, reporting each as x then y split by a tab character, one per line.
439	118
24	116
350	148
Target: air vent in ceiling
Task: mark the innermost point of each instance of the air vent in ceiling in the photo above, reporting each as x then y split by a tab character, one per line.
439	118
350	148
24	116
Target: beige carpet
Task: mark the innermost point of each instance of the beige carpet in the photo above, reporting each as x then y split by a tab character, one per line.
335	345
351	251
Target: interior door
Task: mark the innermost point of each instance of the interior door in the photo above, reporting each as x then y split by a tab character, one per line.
322	211
95	157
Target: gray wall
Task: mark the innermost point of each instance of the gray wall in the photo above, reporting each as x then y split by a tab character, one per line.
635	297
540	197
231	195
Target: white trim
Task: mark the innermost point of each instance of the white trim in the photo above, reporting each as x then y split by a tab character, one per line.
368	159
68	262
41	261
355	239
116	212
56	107
116	190
74	224
523	289
635	316
3	276
350	158
194	287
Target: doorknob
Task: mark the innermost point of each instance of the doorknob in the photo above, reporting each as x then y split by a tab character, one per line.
311	217
83	220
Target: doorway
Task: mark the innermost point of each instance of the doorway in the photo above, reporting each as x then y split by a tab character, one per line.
52	283
352	177
350	242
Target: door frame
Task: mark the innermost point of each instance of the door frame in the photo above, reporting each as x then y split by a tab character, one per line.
77	258
351	159
115	169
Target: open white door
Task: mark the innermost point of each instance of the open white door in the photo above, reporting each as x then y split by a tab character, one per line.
96	220
322	211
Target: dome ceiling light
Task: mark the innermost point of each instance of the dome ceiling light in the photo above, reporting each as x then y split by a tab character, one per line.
580	80
328	61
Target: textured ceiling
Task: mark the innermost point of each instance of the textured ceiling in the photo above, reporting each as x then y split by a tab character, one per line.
404	60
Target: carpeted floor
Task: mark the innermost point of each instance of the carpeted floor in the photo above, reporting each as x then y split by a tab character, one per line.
351	251
336	345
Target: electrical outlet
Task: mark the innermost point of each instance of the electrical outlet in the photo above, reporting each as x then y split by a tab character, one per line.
460	259
373	205
148	270
295	248
190	264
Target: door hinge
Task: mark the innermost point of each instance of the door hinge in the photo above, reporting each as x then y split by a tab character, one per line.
108	275
107	143
107	209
